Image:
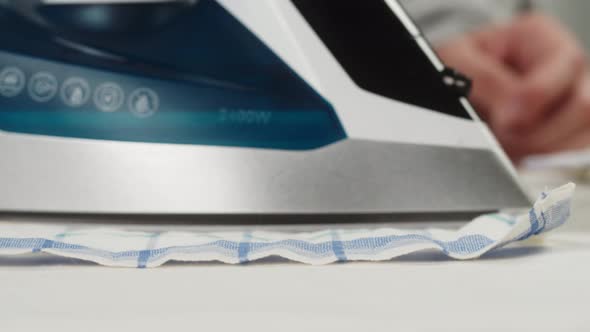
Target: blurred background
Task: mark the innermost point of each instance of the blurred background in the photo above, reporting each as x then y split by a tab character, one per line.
573	13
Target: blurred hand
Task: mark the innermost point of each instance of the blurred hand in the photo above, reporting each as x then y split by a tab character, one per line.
530	83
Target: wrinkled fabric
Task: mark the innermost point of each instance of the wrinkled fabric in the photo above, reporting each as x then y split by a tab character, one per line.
122	248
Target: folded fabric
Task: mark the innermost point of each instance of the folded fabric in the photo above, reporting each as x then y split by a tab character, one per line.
121	248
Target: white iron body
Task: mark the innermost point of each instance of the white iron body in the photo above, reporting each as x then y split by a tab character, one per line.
398	158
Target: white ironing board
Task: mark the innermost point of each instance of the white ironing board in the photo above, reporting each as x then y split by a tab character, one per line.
524	288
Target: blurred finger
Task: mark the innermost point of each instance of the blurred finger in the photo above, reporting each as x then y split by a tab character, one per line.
550	61
549	81
492	40
492	81
557	128
577	142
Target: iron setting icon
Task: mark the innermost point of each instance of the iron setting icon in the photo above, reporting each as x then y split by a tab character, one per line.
144	102
43	86
109	97
12	82
75	92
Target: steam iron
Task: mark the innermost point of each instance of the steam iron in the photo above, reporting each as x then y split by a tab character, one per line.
233	107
